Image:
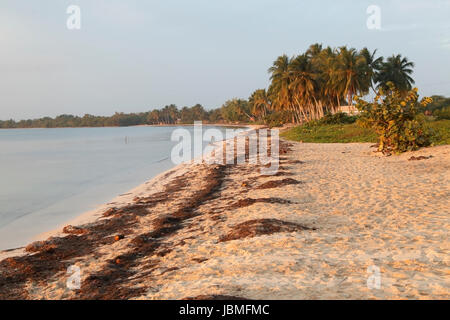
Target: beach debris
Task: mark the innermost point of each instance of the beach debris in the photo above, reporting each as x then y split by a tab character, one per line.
259	227
40	246
74	230
277	174
413	158
103	286
141	240
169	270
119	237
110	212
47	246
278	183
249	201
165	225
295	162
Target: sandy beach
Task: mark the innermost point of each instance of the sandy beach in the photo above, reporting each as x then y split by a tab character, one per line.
316	230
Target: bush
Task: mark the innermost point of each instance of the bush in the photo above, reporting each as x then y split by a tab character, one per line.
442	114
277	119
397	119
337	118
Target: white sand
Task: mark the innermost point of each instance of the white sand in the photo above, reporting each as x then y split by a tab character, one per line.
388	212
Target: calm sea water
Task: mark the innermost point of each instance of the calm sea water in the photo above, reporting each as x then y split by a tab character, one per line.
50	176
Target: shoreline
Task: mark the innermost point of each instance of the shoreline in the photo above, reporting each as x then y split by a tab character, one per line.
228	230
121	200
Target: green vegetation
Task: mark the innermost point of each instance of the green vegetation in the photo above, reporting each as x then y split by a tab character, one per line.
438	103
331	133
441	129
337	118
442	114
344	133
394	120
236	110
322	79
397	119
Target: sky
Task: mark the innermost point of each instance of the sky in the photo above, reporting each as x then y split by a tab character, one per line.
134	56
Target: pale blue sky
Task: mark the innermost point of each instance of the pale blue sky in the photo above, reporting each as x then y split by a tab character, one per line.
138	55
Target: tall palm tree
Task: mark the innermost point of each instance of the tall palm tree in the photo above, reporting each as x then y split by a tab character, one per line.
307	85
373	65
259	103
314	51
351	73
398	70
330	91
304	87
279	90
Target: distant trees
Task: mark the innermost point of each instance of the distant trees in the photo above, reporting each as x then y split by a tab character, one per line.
236	110
195	113
259	104
439	107
166	116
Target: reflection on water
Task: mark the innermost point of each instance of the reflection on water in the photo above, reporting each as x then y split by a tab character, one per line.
49	176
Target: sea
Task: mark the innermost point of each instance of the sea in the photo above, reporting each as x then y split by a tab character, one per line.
51	176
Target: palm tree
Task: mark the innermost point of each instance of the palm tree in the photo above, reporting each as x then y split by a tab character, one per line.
235	110
373	65
314	51
279	90
304	87
307	85
330	91
351	73
398	70
259	103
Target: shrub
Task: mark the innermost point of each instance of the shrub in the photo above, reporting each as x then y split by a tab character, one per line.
337	118
397	119
277	119
442	114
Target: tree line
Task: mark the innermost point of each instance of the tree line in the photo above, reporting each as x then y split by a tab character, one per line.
230	112
168	115
302	88
322	79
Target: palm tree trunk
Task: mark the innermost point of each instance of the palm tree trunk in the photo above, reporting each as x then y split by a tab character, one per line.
350	98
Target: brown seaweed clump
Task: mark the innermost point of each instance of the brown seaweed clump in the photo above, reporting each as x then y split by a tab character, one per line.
249	201
259	227
413	158
278	183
